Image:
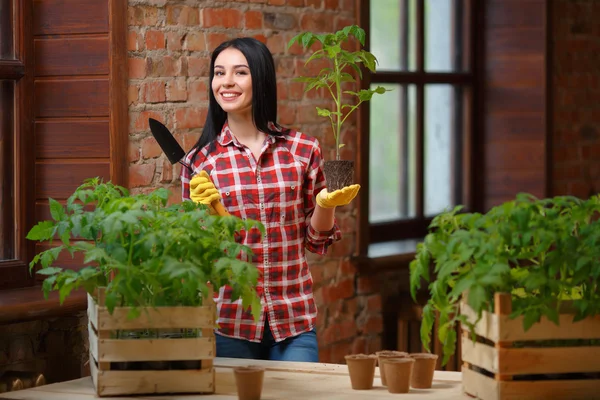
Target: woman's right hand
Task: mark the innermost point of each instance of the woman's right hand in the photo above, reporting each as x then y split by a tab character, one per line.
203	191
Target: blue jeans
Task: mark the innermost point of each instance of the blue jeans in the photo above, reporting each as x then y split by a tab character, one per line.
298	348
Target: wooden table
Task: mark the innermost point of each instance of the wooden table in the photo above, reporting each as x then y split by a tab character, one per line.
283	381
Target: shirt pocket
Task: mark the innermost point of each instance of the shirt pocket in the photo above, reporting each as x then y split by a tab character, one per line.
290	207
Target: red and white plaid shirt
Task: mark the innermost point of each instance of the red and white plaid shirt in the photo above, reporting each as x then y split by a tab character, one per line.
278	190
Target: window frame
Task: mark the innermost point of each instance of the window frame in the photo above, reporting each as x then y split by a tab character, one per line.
416	228
15	273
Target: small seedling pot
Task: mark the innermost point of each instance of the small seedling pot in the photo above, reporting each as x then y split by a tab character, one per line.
423	369
387	354
339	174
398	372
249	382
361	368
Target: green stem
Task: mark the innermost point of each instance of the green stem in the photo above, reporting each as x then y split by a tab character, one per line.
338	108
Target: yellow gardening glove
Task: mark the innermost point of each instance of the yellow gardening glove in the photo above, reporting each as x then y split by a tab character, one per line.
337	198
203	191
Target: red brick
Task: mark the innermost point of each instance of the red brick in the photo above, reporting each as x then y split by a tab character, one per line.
373	324
139	122
295	90
276	43
261	38
198	91
177	90
374	303
313	3
166	174
222	17
198	66
150	148
338	332
253	20
339	290
182	15
141	174
164	66
332	4
295	3
316	22
134	152
133	44
339	350
342	22
359	346
175	195
155	40
282	88
142	15
285	67
137	68
195	41
186	118
367	284
132	94
215	39
174	41
153	92
286	114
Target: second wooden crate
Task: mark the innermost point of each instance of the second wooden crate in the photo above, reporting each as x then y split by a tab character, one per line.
150	364
508	363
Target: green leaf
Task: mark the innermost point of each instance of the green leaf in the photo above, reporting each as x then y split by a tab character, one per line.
56	210
42	231
531	317
476	297
49	271
322	112
426	326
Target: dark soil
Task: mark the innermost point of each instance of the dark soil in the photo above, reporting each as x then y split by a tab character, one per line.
339	174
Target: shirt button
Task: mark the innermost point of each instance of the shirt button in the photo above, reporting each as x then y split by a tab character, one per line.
226	193
293	187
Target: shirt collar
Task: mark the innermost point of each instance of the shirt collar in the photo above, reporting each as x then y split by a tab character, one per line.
226	138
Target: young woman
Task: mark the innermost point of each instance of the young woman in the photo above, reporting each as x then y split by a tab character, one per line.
261	171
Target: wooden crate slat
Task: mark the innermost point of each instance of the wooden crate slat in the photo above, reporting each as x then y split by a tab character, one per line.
550	389
479	354
117	350
92	312
157	318
512	329
93	340
521	361
480	386
501	328
486	327
112	383
551	360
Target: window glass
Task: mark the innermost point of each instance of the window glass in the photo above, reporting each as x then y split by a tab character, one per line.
7	48
444	27
392	169
443	147
392	34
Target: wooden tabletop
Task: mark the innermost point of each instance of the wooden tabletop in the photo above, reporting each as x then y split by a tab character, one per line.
283	380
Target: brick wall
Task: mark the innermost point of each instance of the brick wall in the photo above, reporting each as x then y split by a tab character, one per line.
169	52
56	348
576	97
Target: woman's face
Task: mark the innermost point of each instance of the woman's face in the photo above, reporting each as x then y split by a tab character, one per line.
232	83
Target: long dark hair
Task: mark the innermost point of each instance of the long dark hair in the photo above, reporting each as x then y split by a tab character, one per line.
264	92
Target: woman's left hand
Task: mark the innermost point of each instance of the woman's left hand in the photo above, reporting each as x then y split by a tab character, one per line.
337	198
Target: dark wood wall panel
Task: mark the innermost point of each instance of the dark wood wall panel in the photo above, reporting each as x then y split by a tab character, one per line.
514	144
53	17
59	180
72	98
72	56
72	139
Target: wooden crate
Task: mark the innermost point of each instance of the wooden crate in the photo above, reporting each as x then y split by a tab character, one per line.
106	350
503	364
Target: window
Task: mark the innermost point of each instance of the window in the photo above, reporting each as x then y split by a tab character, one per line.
16	152
417	136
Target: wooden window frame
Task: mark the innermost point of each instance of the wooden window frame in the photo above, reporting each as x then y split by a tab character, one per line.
15	273
410	230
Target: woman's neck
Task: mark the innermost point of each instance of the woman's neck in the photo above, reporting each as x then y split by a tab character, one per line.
244	130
